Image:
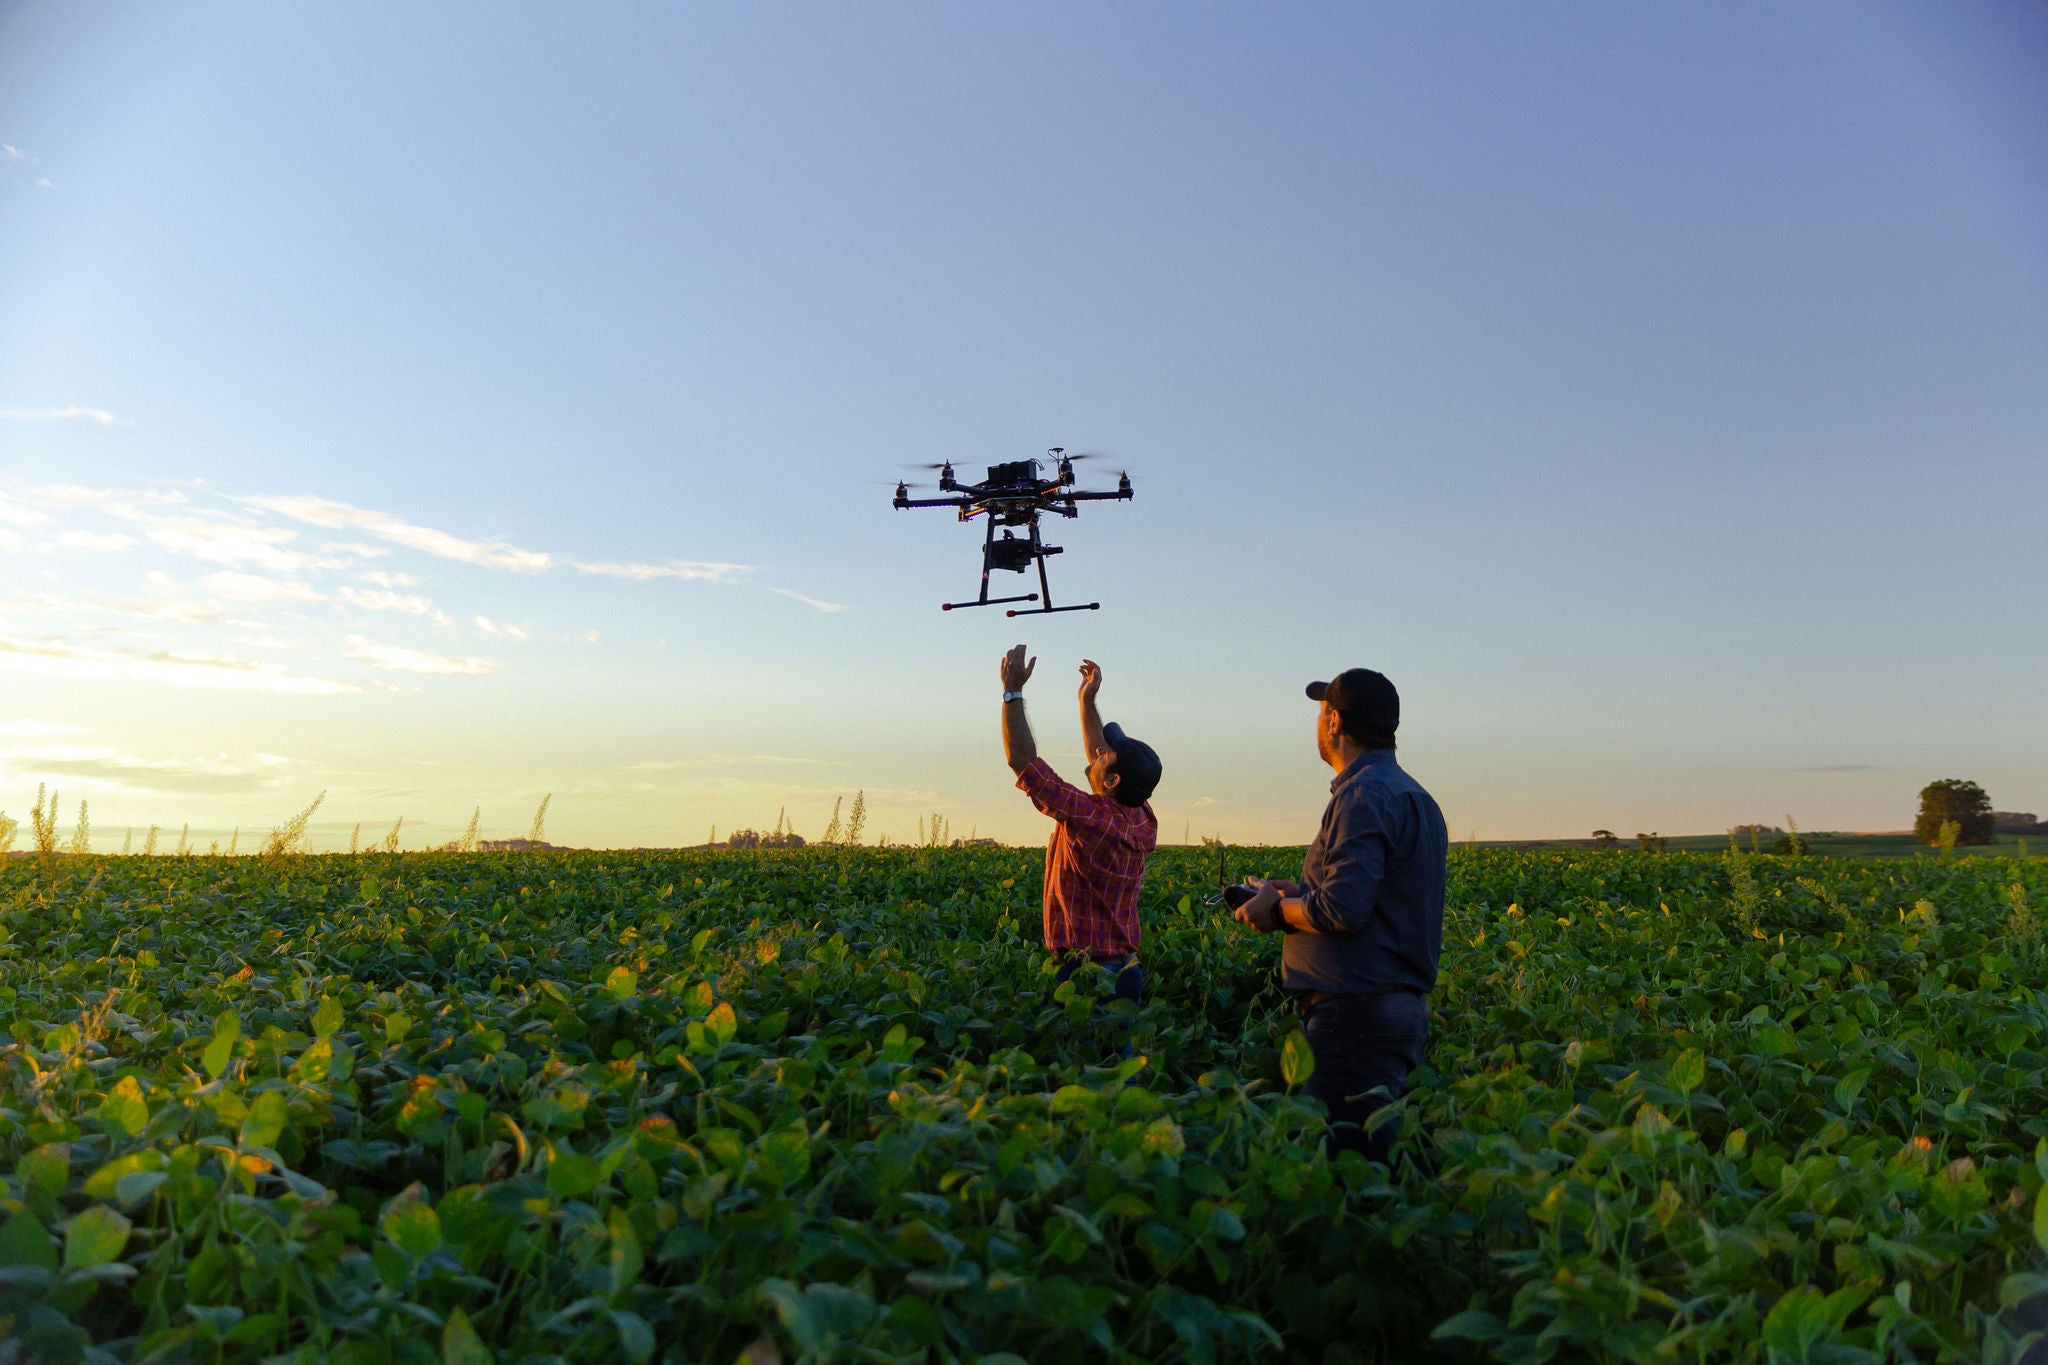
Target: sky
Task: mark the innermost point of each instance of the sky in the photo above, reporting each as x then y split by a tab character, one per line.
442	407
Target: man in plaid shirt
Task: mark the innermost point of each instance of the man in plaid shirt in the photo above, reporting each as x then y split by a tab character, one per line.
1095	860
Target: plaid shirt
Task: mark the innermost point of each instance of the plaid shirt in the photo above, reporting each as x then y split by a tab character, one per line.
1094	863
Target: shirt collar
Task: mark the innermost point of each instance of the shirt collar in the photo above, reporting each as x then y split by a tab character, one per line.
1357	766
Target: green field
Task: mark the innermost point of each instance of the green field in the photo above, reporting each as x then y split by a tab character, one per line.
1825	844
821	1106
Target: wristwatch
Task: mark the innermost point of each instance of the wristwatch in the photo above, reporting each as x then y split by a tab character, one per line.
1012	696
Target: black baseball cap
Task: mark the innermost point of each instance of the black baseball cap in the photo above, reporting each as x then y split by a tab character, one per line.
1137	766
1366	700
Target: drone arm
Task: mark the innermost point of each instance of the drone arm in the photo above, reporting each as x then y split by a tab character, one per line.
1120	495
931	502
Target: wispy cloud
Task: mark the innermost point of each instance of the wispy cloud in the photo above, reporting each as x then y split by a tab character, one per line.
701	571
113	768
332	515
21	516
104	542
397	659
84	417
176	668
378	599
490	627
13	153
724	762
228	544
256	590
826	607
36	729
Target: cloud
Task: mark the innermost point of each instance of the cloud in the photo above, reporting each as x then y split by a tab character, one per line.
332	515
84	417
105	542
14	153
259	591
178	669
21	516
490	627
43	183
227	544
410	603
390	580
688	570
826	607
36	729
397	659
718	762
110	767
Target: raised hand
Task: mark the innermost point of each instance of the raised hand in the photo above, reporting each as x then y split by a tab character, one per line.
1091	679
1017	669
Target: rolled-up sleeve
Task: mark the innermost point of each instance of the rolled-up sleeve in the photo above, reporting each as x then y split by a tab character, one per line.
1341	900
1059	799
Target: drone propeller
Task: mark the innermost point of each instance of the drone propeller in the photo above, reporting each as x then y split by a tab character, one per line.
943	464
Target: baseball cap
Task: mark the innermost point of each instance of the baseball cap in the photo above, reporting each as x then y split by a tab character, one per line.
1137	766
1366	700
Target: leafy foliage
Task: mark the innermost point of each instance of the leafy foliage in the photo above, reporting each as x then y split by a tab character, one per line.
1954	800
684	1106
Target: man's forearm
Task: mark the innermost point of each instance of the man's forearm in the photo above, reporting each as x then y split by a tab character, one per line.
1293	911
1092	742
1019	749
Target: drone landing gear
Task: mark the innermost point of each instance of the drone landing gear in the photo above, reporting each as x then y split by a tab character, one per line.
1013	554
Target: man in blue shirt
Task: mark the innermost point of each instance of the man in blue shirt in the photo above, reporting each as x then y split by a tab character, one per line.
1365	924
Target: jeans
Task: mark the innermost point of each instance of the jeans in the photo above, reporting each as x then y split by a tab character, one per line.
1364	1046
1128	983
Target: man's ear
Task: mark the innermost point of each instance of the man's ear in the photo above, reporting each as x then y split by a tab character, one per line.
1110	780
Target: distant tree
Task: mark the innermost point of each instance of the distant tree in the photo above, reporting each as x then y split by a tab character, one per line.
2015	822
1652	842
1957	800
1605	838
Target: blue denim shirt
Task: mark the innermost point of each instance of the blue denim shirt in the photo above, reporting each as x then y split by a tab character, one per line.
1373	882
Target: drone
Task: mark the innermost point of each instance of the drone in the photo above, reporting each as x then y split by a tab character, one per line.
1013	495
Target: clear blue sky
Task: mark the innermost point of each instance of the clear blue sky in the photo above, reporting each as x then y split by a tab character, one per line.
442	406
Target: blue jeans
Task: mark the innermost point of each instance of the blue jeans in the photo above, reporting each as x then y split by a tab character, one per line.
1364	1046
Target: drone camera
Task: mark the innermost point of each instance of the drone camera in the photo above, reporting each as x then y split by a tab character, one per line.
1010	553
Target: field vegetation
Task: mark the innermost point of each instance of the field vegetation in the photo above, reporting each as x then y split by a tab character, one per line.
824	1104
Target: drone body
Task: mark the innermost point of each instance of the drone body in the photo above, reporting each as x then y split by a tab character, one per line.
1016	495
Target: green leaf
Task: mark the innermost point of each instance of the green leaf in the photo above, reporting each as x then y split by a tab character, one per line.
460	1345
636	1338
95	1237
1797	1323
327	1019
267	1117
1474	1324
1850	1086
721	1023
227	1031
124	1113
411	1223
1297	1059
24	1241
1688	1071
626	1256
623	983
572	1175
